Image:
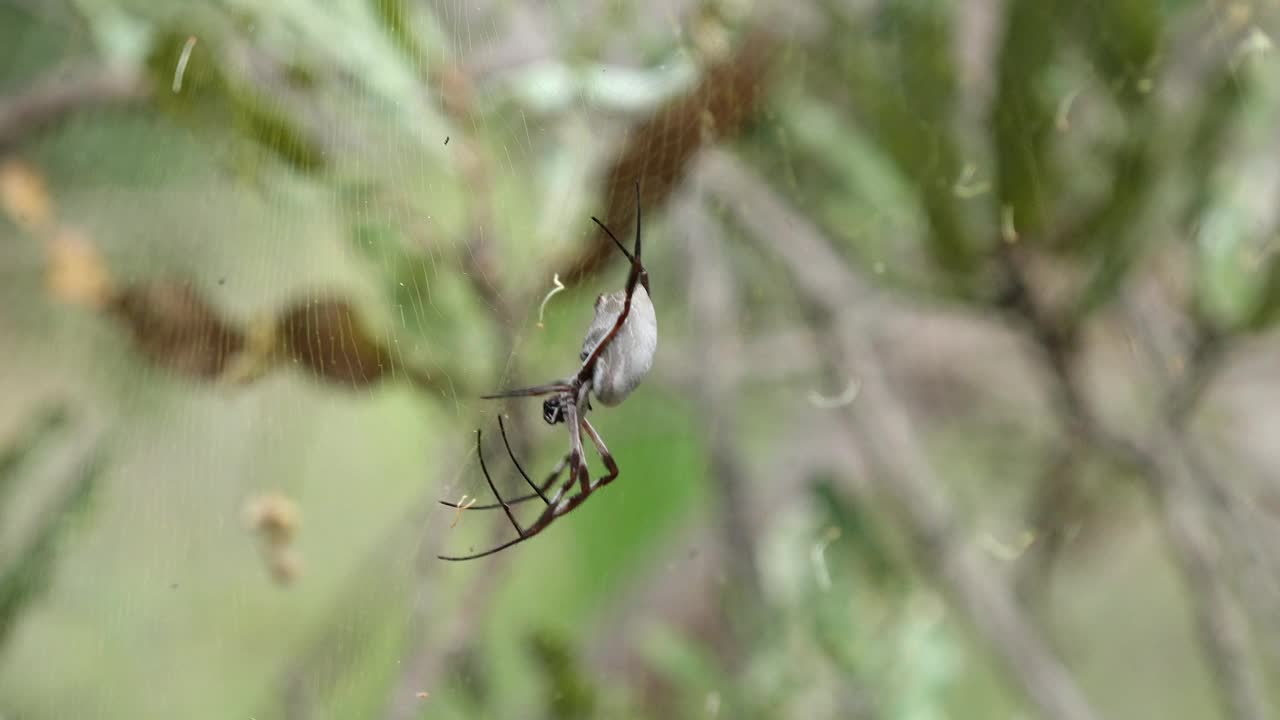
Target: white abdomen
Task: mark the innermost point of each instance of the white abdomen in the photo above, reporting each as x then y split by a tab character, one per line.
629	357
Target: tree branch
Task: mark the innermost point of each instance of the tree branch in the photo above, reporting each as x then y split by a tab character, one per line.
1236	520
56	97
1168	472
713	302
887	437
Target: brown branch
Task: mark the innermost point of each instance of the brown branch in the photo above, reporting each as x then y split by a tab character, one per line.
897	458
658	151
1171	479
1058	496
57	97
1236	520
1057	502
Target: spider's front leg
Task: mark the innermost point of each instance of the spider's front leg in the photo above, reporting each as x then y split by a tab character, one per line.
539	491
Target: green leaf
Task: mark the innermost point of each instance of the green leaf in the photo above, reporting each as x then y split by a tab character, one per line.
1267	306
30	574
1123	39
572	694
1023	117
862	539
47	421
1219	113
1239	281
273	130
1226	294
393	17
905	87
1109	236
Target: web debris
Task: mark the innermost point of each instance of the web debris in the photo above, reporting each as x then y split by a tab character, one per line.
847	396
559	287
181	70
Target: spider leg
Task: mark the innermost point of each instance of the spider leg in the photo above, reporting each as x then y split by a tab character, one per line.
541	492
505	507
553	511
614	238
514	461
578	474
618	242
610	464
490	551
578	456
533	391
637	275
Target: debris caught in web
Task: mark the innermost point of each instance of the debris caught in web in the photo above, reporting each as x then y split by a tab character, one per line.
558	287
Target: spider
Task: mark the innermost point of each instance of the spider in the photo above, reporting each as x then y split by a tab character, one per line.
616	355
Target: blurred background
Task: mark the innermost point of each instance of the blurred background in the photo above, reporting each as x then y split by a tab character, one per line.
964	403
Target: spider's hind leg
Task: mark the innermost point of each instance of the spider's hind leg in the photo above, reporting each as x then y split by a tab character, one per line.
609	463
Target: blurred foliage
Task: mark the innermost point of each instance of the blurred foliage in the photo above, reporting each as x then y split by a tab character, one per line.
570	694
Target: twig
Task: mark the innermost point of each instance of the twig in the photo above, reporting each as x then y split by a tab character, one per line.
1057	502
887	437
1236	520
55	98
1170	480
1058	492
713	303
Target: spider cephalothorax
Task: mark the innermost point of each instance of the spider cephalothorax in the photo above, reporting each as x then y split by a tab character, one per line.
616	355
553	410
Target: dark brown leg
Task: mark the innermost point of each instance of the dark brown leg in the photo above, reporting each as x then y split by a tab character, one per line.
552	512
557	506
538	491
574	419
546	486
505	507
578	473
534	391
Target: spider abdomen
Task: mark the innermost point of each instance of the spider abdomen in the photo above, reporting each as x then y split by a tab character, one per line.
629	356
